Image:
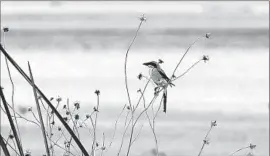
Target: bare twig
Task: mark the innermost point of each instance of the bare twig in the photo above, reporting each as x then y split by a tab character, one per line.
205	141
151	125
46	99
3	146
39	113
11	122
13	89
95	124
115	128
193	65
126	57
251	146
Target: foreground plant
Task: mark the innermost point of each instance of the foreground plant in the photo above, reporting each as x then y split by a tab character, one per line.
206	139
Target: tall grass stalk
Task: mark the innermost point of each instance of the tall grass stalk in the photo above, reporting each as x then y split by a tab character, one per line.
3	146
12	88
12	125
45	99
39	113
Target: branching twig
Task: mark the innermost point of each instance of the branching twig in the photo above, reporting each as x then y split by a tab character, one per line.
126	57
206	141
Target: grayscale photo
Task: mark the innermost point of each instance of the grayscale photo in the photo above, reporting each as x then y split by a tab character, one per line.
134	78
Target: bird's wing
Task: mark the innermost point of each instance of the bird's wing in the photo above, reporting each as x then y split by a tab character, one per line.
162	73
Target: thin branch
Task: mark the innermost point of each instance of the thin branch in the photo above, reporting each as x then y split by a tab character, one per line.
115	128
151	126
185	54
13	90
239	150
126	57
193	65
39	113
11	122
95	125
46	99
4	147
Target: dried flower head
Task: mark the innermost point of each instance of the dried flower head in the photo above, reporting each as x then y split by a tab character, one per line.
87	116
51	98
213	123
67	112
103	148
6	29
140	76
10	136
251	146
207	35
142	18
28	153
205	58
160	61
97	144
97	92
58	99
128	107
173	76
77	105
206	141
29	109
65	106
77	117
139	90
59	128
95	109
65	118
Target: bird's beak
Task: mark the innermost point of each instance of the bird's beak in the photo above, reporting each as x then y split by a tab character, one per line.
147	63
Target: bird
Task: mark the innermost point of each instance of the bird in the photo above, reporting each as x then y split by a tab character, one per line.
159	77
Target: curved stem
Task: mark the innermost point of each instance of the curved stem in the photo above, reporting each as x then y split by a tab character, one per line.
185	54
239	150
126	57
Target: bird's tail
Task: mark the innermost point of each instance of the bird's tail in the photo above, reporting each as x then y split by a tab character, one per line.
165	101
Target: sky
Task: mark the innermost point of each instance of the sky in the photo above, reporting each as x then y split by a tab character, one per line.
118	14
129	6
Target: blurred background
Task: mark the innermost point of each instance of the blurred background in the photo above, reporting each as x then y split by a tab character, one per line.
75	48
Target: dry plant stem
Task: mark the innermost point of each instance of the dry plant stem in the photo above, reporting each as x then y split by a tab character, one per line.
124	133
134	124
46	100
13	90
208	132
74	126
126	126
3	146
74	123
151	126
19	116
11	122
126	82
103	144
239	150
187	70
39	113
115	128
95	128
137	136
185	54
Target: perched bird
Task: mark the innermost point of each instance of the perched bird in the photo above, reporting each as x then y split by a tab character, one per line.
159	77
